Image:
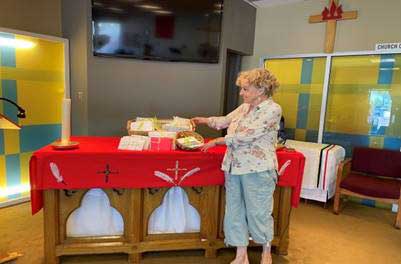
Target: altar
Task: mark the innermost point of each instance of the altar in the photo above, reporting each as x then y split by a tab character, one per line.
135	184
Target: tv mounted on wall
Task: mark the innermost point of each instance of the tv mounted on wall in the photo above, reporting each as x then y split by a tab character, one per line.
170	30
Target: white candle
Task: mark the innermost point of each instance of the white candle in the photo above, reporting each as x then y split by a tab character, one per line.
65	121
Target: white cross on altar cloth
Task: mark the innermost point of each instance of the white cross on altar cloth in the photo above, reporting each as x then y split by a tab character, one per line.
176	170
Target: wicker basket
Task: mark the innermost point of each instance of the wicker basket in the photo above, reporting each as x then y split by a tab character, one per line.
188	134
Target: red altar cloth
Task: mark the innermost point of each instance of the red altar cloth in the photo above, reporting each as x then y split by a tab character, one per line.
97	163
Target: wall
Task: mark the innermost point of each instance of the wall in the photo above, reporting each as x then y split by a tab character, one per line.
115	89
284	29
39	16
75	26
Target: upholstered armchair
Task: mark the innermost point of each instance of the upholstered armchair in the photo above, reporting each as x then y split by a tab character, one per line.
373	174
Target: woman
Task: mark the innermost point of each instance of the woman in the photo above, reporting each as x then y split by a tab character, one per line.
250	163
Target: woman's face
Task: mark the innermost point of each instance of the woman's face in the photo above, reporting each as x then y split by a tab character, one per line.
250	94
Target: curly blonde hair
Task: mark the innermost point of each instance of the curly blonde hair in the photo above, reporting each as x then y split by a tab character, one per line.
260	78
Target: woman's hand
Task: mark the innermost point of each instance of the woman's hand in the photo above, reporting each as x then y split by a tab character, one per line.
199	120
212	143
208	145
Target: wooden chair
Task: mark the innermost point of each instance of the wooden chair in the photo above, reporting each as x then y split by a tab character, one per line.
373	174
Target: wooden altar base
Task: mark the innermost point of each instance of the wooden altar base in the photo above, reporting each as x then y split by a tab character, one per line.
136	206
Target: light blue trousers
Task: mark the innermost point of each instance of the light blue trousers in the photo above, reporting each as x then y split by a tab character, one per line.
249	205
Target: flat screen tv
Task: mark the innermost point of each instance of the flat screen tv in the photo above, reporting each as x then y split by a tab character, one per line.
171	30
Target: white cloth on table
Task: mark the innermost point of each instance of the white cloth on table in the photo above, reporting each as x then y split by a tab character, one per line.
174	215
311	151
320	172
95	217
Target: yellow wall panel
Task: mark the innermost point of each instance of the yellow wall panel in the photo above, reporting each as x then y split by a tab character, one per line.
289	105
11	141
354	122
24	161
315	102
3	178
45	55
397	70
319	66
355	70
395	89
316	89
41	100
287	71
31	75
304	88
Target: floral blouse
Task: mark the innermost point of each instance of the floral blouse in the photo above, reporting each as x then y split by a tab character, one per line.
251	137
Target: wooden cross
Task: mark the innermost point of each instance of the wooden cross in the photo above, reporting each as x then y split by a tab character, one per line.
107	172
330	16
176	170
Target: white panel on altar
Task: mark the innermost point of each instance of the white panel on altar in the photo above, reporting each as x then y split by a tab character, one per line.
174	215
321	163
95	217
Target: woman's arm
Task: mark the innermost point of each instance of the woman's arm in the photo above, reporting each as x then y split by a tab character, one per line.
266	123
218	122
199	120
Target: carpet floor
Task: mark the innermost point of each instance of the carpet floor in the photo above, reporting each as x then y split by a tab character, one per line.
359	234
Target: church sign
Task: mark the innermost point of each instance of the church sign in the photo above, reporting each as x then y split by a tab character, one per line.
388	46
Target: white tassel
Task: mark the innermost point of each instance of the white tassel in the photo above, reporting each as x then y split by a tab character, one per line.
189	173
56	172
164	177
285	165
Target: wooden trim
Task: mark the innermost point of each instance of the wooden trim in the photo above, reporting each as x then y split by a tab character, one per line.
93	248
176	244
135	223
383	200
343	169
340	176
97	239
170	236
284	221
50	224
209	227
398	217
